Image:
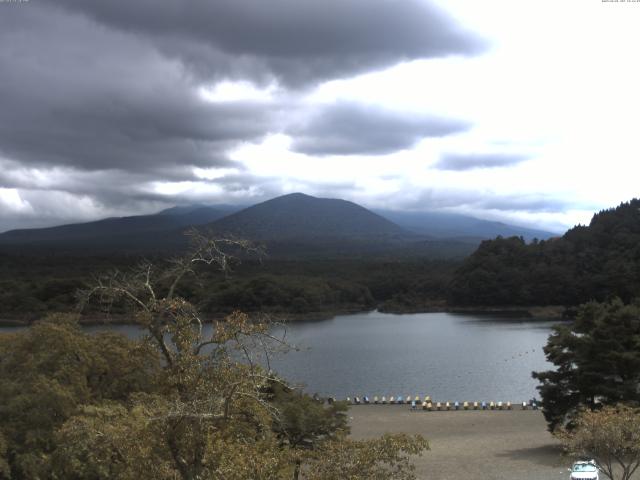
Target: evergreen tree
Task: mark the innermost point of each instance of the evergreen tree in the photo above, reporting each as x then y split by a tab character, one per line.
597	358
587	263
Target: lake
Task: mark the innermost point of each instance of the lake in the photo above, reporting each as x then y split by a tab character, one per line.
448	356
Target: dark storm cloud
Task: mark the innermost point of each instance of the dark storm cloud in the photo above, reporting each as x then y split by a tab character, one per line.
73	94
351	128
91	86
298	42
456	161
99	100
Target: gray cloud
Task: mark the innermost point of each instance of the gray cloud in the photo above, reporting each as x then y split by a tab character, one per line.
44	208
99	99
470	161
73	94
528	203
466	200
297	42
351	128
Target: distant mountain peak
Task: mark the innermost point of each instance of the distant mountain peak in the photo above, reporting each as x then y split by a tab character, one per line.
301	216
294	195
454	225
295	220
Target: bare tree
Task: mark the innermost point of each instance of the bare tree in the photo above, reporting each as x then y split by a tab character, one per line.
214	380
214	415
157	308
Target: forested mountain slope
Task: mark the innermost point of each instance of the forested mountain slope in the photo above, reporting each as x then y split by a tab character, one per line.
588	262
139	231
300	216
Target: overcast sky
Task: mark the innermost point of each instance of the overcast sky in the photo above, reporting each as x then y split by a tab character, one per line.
522	111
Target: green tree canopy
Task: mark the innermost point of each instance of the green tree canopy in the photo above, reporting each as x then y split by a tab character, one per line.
597	359
598	262
186	401
49	372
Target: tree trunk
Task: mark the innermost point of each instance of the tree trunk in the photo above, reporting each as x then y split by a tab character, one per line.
296	470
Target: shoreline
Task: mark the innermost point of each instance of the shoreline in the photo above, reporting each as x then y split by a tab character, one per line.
549	312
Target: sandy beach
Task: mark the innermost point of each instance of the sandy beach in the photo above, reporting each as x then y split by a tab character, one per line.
489	445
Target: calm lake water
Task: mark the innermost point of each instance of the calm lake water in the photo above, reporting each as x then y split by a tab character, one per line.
450	357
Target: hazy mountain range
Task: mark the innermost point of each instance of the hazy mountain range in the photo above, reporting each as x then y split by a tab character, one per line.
451	225
294	222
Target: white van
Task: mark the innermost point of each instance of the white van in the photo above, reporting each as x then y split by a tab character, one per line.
585	470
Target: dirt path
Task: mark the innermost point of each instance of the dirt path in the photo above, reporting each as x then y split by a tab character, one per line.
483	445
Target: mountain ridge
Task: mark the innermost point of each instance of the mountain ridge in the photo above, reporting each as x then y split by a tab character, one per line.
290	222
454	225
301	216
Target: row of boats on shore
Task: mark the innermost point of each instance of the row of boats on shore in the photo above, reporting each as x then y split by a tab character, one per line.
426	403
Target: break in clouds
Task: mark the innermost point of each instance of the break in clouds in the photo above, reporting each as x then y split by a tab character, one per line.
101	101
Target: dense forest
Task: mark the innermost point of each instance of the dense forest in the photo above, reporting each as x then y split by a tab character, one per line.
31	286
596	360
594	262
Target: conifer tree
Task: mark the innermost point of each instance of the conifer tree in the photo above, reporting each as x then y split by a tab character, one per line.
597	359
